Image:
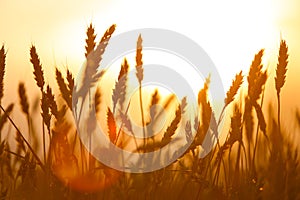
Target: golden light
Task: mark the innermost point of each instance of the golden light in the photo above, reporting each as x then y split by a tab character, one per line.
231	32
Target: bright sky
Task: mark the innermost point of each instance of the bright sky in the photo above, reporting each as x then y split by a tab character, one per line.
230	31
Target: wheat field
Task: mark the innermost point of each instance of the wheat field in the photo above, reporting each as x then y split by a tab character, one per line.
256	159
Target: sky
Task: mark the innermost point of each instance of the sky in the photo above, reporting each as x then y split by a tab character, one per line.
231	32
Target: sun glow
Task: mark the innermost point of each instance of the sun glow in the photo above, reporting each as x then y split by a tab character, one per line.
229	31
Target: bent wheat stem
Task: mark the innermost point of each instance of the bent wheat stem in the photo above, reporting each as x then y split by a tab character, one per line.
24	139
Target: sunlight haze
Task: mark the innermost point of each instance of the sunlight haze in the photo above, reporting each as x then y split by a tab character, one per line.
231	32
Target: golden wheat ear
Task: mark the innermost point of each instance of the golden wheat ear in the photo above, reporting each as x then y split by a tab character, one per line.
235	133
202	95
255	69
175	122
94	58
91	73
52	103
281	66
119	92
256	80
111	124
70	80
64	90
236	84
2	70
37	66
97	100
281	74
45	110
23	99
139	59
90	40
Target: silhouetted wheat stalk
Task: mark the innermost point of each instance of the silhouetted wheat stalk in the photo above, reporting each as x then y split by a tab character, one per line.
6	114
140	76
97	100
64	90
281	74
38	72
2	73
119	92
40	81
90	41
25	106
256	81
174	124
2	70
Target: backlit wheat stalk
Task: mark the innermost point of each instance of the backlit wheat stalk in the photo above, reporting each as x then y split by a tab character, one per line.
281	73
140	76
23	99
90	41
112	128
2	70
119	92
38	72
175	122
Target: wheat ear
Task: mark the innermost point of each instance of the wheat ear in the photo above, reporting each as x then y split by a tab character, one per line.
281	74
111	124
90	40
140	76
119	92
2	70
38	72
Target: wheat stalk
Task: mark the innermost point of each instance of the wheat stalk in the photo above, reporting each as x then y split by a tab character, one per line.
39	77
38	72
127	123
205	114
258	87
94	58
281	66
256	80
97	100
90	41
64	91
2	70
91	74
111	124
154	101
261	118
6	112
20	144
202	95
140	76
236	83
139	60
4	118
170	131
70	80
235	133
281	74
24	104
255	70
52	103
46	120
188	132
23	99
206	109
248	119
153	112
119	92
